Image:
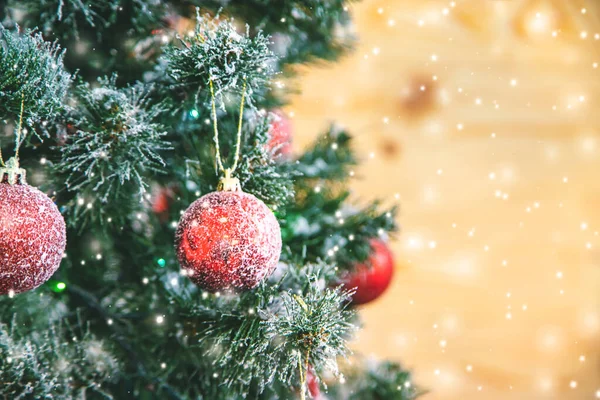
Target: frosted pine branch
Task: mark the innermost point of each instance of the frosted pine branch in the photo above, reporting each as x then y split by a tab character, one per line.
218	52
116	143
32	72
48	365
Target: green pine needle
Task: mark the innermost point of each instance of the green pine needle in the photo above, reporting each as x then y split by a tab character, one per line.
218	52
32	72
116	143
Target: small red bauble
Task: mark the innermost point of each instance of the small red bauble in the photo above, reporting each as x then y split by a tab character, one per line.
161	202
372	278
228	240
313	384
32	237
281	135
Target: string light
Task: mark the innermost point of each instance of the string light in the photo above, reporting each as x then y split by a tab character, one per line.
57	286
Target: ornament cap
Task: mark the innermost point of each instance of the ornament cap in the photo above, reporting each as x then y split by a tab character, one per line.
229	183
14	173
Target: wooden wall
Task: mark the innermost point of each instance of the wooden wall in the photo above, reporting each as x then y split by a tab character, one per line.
497	165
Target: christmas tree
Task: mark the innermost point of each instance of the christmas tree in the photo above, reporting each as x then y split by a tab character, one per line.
150	123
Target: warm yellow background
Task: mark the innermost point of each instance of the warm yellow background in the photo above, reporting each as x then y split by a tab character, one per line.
496	293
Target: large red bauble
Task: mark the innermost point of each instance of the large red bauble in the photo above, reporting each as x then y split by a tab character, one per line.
372	278
281	135
32	238
228	240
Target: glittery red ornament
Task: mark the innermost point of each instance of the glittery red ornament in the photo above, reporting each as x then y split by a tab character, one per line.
281	135
32	237
372	278
228	240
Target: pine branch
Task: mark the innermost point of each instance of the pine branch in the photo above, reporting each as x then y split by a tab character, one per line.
322	223
310	329
219	53
46	364
330	158
303	30
376	381
257	338
32	74
68	18
116	144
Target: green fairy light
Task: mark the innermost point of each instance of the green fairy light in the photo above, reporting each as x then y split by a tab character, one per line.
161	262
194	113
57	286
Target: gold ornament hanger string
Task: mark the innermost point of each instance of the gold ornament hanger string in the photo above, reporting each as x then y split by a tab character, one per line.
18	140
227	171
18	134
11	168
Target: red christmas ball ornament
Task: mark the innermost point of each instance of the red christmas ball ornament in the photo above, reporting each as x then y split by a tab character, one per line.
32	233
372	278
313	384
228	240
281	131
161	202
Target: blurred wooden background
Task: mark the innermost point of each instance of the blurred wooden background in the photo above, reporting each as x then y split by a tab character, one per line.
482	115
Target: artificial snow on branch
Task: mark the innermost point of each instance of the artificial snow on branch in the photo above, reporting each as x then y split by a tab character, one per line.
267	336
55	363
116	142
217	52
322	222
303	30
32	76
67	18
